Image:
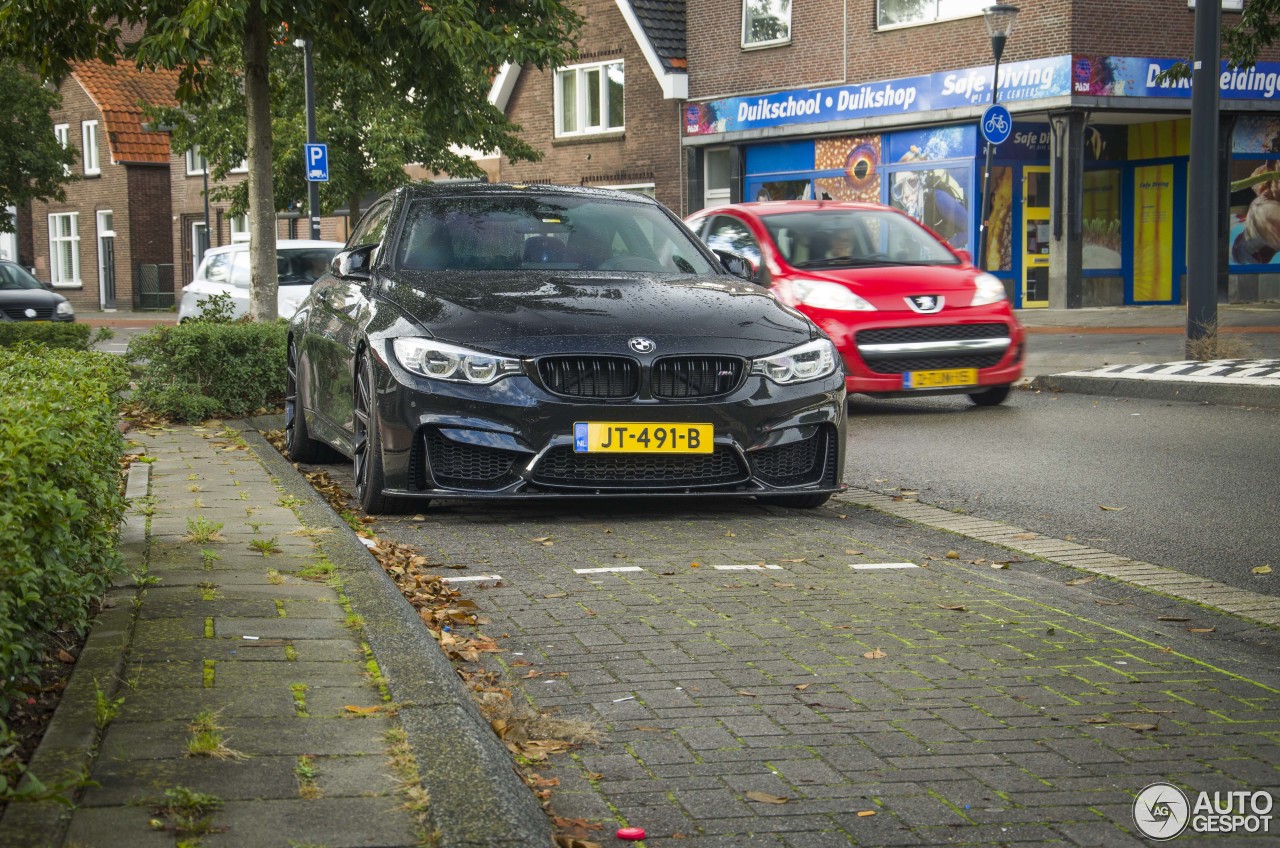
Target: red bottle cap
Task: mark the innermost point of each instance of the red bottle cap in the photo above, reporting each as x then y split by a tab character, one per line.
631	834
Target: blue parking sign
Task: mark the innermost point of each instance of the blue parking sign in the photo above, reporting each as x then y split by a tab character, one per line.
317	156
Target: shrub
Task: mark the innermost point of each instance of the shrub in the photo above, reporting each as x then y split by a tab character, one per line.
200	369
57	335
60	497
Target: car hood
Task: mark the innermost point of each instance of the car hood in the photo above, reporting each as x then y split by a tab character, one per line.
38	298
548	312
886	286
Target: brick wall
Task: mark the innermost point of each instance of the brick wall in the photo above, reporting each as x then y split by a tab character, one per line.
150	221
86	196
647	151
720	67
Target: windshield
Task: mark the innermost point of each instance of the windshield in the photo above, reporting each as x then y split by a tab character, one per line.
15	277
834	238
545	232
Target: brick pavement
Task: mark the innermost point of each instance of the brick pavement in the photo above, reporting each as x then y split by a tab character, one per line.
1002	722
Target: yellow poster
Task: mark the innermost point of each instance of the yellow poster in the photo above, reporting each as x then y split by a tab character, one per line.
1153	233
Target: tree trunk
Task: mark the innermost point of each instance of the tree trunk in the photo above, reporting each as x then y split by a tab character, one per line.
262	213
353	211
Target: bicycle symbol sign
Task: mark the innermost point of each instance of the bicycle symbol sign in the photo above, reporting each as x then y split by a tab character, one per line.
996	124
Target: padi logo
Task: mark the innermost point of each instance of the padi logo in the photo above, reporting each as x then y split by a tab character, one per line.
1162	811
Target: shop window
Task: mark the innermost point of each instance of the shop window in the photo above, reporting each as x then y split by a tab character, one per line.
1102	223
766	23
891	13
937	198
64	249
717	166
589	99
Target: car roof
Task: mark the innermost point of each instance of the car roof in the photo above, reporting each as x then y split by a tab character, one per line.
281	244
467	189
777	207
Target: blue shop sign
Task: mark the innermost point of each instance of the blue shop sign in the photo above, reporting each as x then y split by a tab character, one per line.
1129	76
1019	81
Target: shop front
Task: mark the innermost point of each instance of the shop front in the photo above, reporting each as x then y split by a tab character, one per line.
1113	195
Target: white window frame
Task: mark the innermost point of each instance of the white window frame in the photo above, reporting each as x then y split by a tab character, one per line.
580	73
242	168
196	164
239	226
106	230
746	23
89	145
937	16
645	189
62	132
58	272
719	196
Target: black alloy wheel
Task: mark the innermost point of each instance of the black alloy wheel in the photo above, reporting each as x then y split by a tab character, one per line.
366	448
298	444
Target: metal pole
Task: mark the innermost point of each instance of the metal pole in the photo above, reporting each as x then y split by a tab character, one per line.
313	188
1202	176
997	48
204	177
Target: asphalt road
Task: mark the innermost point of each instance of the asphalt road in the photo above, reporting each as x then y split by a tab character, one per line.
1186	486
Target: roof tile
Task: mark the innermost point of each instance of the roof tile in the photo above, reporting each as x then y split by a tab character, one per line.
663	22
120	90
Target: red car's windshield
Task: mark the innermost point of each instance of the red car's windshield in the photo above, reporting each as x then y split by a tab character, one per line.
833	238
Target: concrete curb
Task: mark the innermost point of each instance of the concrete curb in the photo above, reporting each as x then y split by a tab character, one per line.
477	800
1222	394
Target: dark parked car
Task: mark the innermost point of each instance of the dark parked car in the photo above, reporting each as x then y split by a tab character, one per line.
24	298
491	341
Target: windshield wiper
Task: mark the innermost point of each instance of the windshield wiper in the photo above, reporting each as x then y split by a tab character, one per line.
855	262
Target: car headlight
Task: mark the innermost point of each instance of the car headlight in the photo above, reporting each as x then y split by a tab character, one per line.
824	295
809	361
65	308
988	289
441	361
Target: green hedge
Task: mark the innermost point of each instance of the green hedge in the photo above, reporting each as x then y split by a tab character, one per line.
47	333
60	497
202	369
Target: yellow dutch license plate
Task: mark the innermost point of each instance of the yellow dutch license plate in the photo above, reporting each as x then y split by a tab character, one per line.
940	379
633	437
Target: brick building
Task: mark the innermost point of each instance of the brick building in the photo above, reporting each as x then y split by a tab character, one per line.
109	242
880	100
611	119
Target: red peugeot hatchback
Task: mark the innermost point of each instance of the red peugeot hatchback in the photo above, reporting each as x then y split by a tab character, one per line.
910	315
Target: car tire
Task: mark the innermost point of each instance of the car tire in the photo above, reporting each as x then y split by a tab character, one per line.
298	444
366	448
993	396
795	501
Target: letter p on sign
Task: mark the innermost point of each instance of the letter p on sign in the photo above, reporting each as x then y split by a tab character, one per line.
317	156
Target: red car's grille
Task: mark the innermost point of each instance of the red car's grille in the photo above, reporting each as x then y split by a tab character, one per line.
938	333
932	347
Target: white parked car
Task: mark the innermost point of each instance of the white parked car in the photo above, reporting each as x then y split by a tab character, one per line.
225	270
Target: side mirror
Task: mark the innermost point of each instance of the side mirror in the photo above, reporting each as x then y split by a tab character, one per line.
965	257
736	264
354	264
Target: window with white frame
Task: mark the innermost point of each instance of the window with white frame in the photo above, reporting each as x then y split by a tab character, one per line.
89	140
195	162
715	175
242	168
589	99
239	228
766	22
62	132
64	249
891	13
646	189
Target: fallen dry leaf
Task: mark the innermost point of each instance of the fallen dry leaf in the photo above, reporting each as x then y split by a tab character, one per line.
877	654
1140	727
1097	720
953	555
803	686
852	552
541	539
1262	569
862	814
557	595
1201	629
744	693
730	534
64	656
645	728
1103	603
1110	508
351	708
766	798
695	565
1172	618
953	607
1080	581
801	559
999	565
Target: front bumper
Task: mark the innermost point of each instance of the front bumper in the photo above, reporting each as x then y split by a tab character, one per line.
879	353
514	439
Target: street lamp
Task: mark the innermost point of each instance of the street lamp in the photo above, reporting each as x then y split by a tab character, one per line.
309	77
999	19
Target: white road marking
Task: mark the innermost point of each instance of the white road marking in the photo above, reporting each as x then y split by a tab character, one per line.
874	566
472	578
760	567
613	568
